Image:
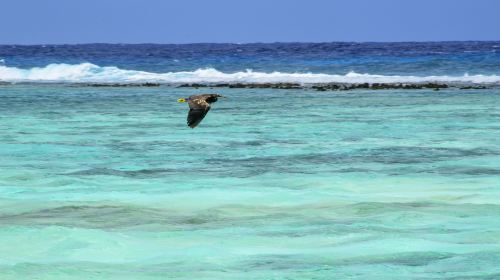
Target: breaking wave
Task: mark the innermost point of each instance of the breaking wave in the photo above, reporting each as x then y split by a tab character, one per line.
91	73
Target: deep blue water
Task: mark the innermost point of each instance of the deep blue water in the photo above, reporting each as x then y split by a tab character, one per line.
422	59
110	183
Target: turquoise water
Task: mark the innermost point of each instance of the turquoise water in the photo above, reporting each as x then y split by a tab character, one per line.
110	183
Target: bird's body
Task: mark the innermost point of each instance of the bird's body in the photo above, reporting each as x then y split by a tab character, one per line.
199	105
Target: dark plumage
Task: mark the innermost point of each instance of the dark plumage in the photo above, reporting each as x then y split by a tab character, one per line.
199	105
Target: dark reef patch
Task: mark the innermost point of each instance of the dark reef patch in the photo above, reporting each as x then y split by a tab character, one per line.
119	85
338	86
142	173
279	85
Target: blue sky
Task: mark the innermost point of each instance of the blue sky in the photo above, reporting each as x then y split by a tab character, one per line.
240	21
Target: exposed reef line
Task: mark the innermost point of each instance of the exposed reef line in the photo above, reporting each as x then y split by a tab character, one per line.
310	86
341	86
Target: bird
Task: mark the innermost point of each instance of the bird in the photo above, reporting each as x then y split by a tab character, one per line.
199	105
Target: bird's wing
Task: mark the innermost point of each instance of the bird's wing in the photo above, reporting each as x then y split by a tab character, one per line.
198	108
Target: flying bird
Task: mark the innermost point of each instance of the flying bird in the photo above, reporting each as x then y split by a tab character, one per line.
199	105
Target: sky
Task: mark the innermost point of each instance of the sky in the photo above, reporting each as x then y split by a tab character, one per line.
243	21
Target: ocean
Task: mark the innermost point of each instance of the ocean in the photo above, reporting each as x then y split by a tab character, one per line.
100	177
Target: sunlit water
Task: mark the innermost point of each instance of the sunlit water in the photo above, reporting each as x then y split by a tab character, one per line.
110	183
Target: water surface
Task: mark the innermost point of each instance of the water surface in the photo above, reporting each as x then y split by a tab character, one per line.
274	184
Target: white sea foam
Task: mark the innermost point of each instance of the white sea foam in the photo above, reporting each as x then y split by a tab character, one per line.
90	73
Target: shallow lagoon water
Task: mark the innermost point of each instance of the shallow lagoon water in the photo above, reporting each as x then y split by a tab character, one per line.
110	183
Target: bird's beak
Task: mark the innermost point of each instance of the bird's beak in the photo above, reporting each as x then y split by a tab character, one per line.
181	100
222	96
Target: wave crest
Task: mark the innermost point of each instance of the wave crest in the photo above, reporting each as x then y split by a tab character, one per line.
91	73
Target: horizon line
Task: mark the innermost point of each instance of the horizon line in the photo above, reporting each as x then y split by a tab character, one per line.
253	43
